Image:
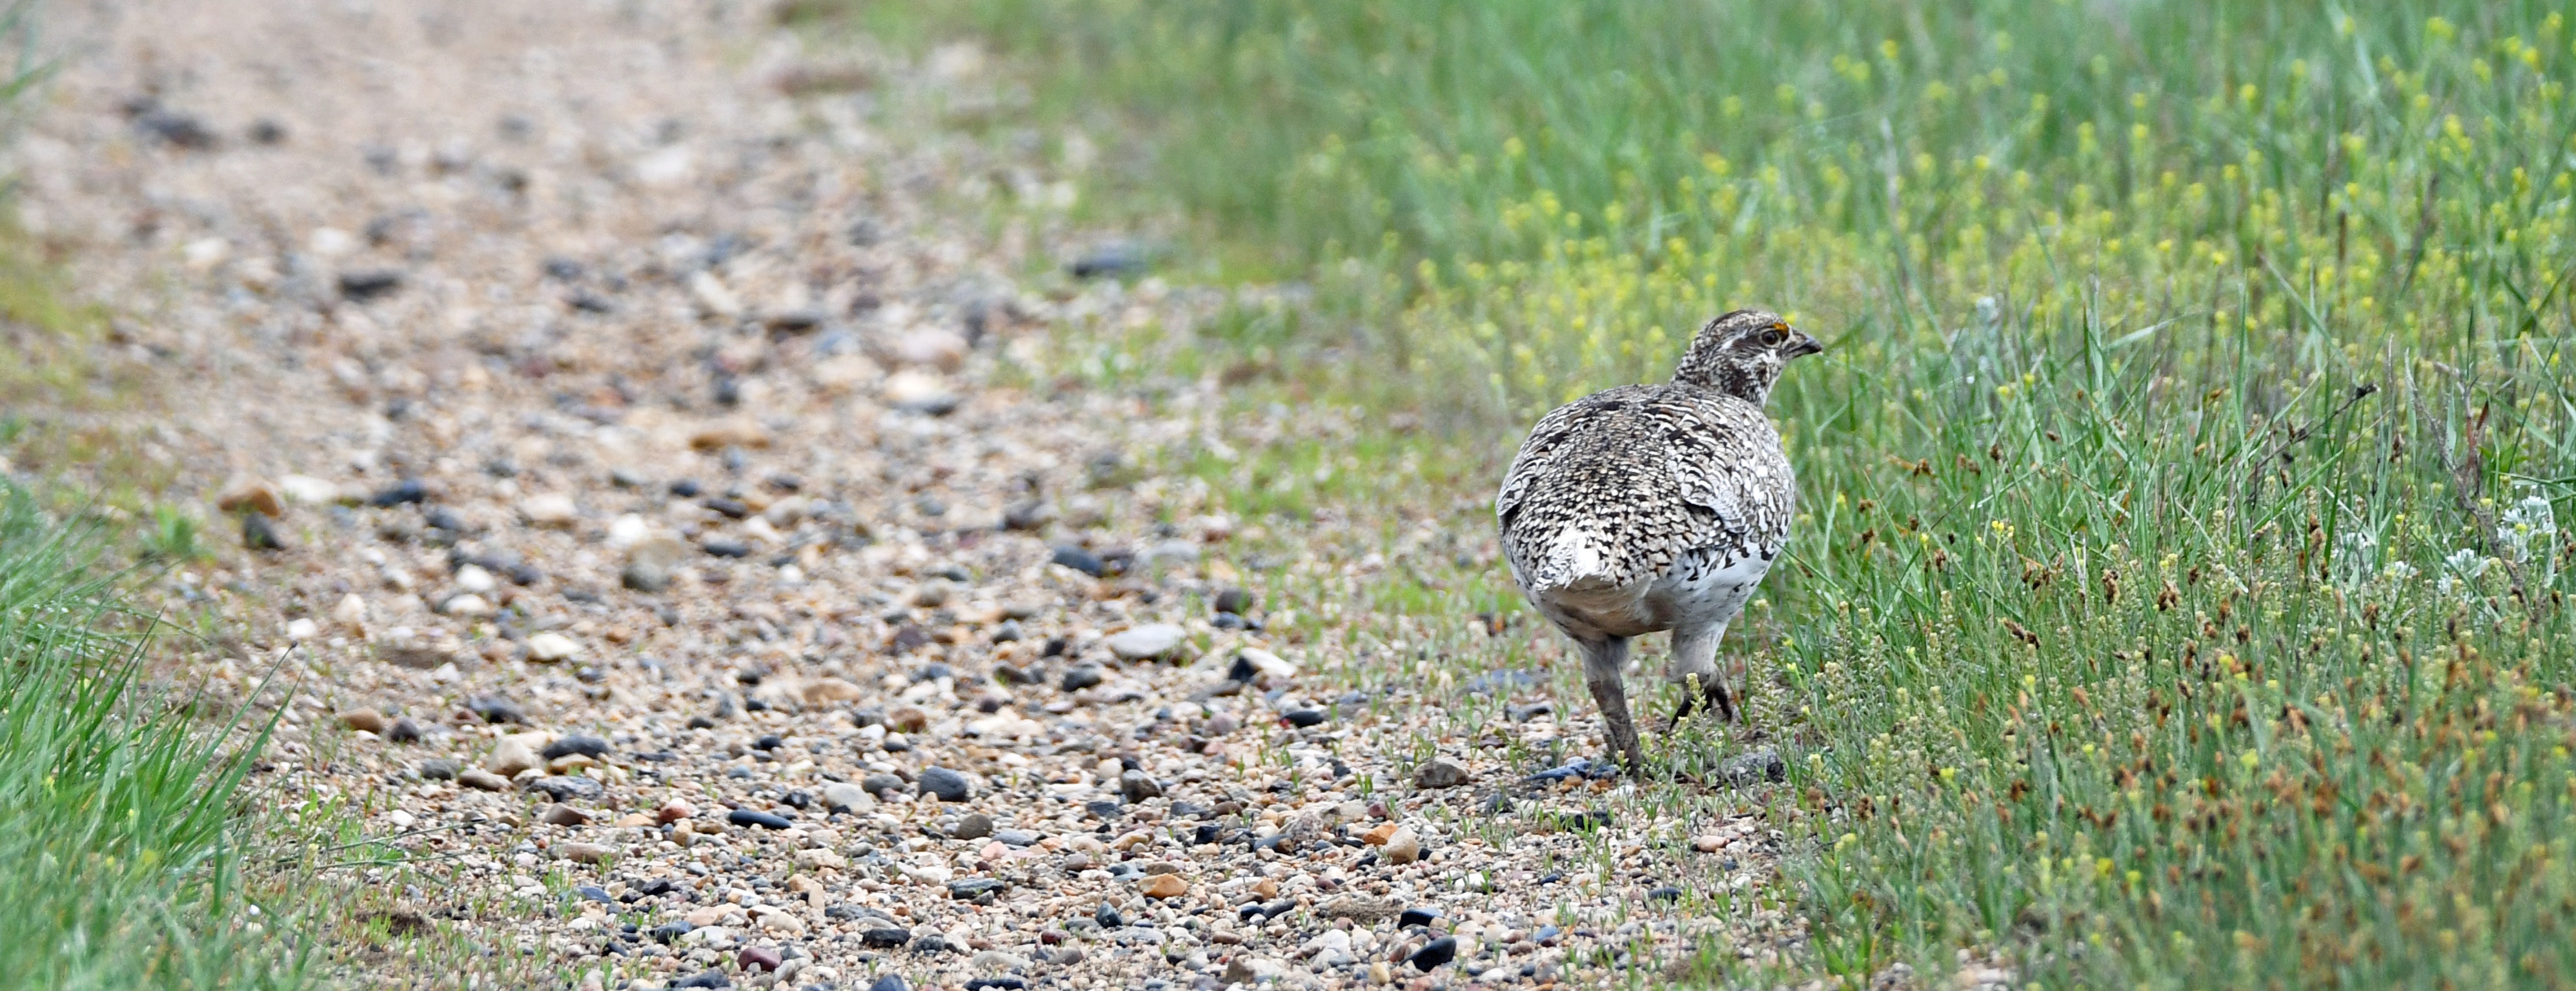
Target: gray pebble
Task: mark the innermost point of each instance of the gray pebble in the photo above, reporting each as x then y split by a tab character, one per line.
564	787
948	785
1139	786
1440	773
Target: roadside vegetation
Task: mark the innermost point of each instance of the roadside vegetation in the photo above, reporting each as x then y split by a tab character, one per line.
125	803
2180	560
123	856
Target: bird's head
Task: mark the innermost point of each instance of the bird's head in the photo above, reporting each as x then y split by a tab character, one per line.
1741	354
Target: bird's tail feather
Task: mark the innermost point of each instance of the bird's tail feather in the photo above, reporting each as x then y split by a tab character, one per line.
1574	563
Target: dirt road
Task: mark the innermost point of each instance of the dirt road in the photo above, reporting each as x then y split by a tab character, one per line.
683	550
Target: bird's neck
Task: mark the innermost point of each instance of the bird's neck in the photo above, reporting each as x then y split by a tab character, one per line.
1728	380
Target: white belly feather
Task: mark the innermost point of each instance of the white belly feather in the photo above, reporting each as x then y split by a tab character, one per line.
1702	588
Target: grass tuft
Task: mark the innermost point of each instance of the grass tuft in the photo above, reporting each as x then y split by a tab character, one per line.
121	856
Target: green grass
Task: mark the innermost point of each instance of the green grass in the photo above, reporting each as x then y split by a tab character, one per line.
2177	553
122	856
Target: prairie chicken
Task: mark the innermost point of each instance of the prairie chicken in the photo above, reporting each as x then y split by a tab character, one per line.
1657	507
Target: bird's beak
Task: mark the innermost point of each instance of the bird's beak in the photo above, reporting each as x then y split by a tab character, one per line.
1804	346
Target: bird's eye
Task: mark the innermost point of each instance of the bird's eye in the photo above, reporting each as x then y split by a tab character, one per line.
1771	338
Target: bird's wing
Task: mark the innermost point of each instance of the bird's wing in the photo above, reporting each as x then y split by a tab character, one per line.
1734	484
1531	465
1590	500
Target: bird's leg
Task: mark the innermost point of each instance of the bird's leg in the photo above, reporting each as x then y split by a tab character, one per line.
1604	666
1695	667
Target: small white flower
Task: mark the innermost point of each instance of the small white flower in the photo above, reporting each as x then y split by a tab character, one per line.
2528	526
2464	565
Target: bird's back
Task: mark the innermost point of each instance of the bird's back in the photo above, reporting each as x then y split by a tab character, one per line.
1611	490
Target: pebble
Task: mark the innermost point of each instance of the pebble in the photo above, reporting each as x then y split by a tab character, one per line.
703	979
1031	514
1081	676
1258	662
887	938
974	887
510	755
550	647
364	720
1402	847
934	346
495	709
757	958
1440	773
309	490
584	853
567	787
1080	560
440	769
890	982
405	492
947	785
482	780
1164	886
1416	916
754	817
1304	718
404	730
1434	953
258	535
974	826
918	391
1139	786
1152	640
738	432
369	284
560	814
880	784
842	796
651	562
550	510
250	495
587	746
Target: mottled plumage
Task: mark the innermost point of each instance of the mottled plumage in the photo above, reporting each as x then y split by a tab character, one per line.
1657	507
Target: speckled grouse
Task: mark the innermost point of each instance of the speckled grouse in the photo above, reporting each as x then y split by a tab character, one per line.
1657	507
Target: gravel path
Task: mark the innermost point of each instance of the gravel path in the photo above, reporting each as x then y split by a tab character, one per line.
682	548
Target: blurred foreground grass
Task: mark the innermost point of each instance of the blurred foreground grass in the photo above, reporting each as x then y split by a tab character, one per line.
122	855
2179	554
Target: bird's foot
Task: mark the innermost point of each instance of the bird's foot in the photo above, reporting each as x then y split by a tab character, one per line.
1712	695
